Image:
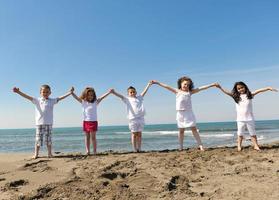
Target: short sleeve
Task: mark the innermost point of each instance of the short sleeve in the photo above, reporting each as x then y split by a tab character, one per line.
55	101
140	98
35	101
125	100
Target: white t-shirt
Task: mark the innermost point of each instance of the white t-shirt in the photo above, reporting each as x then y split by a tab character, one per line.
183	101
44	110
135	108
89	111
244	109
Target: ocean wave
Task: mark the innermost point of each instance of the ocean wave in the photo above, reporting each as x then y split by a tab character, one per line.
217	135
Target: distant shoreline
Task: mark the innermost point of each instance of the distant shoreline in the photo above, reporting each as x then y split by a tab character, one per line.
126	125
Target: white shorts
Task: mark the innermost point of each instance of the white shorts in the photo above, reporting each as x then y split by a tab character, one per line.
185	119
136	125
242	126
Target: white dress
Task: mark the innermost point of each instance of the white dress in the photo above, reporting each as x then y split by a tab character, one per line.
184	113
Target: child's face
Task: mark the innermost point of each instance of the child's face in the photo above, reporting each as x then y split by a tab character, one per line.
132	93
90	96
45	92
241	89
185	85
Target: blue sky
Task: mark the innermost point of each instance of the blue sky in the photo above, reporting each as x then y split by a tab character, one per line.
115	44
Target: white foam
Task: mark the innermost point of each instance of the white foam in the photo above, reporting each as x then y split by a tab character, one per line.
216	135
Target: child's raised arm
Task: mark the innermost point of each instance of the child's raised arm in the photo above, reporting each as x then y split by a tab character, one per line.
104	96
165	86
264	90
223	90
205	87
66	95
76	97
16	90
117	94
146	88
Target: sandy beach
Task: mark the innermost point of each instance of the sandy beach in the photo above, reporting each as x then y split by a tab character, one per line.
217	173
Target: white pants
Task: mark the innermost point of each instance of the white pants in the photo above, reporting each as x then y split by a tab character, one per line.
242	126
136	125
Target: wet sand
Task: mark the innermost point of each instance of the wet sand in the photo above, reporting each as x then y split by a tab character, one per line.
217	173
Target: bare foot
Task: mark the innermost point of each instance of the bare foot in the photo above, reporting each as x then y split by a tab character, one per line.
50	156
201	148
239	149
35	157
257	148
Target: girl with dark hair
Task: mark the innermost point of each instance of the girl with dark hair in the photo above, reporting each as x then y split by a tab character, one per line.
244	110
185	116
89	103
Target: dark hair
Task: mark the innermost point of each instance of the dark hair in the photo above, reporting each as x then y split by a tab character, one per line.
185	78
236	94
131	88
85	92
46	87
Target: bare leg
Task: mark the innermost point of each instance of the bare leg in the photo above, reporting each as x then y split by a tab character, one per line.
87	143
36	153
181	138
197	137
239	143
255	142
133	140
49	150
139	141
94	141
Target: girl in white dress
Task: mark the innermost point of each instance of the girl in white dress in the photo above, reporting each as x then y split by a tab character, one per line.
244	110
184	113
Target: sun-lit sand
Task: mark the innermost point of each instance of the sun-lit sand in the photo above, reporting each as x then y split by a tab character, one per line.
219	173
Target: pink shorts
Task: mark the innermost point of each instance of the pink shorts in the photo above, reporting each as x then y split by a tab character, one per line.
89	126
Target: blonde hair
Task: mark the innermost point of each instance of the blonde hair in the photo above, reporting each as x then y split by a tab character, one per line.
84	94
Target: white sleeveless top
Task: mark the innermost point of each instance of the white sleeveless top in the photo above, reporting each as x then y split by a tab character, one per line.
89	111
244	109
183	101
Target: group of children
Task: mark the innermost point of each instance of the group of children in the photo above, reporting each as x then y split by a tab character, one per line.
135	112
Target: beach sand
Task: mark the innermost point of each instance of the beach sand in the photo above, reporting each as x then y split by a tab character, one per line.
217	173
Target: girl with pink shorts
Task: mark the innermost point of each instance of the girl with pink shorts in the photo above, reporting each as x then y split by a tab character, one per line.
89	103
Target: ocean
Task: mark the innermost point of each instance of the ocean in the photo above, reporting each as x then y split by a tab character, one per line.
154	137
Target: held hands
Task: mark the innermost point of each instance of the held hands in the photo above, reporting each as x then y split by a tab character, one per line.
111	91
153	82
272	89
16	90
72	90
216	85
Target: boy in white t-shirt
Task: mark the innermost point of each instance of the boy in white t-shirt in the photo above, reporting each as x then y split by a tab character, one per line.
43	116
135	113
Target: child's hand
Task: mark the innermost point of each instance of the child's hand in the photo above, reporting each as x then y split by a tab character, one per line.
273	89
154	82
217	85
15	89
72	90
111	90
